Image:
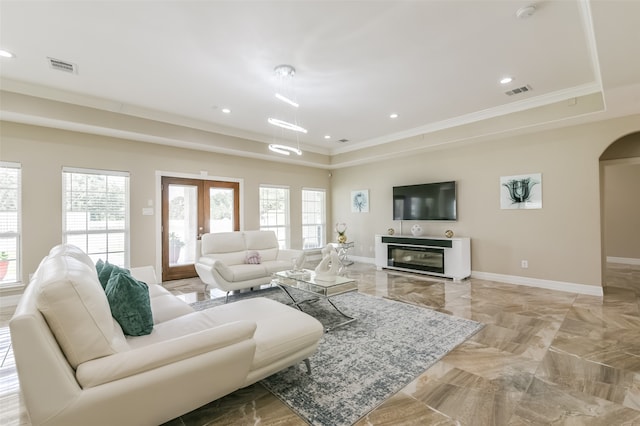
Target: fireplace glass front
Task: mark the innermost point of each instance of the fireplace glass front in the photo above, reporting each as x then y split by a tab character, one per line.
419	258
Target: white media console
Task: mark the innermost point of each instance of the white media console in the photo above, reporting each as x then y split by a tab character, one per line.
442	257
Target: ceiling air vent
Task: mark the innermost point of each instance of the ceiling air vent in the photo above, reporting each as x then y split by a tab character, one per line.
65	66
518	90
343	140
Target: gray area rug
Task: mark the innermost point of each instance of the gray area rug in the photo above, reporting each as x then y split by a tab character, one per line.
358	366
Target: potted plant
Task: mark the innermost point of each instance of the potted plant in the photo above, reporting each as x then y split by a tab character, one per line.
175	245
4	264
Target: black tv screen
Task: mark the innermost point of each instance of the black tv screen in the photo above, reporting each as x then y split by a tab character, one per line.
428	201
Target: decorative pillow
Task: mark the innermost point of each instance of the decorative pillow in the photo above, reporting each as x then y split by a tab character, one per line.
99	266
107	270
130	304
253	257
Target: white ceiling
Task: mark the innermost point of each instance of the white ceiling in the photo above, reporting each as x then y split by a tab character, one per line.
435	63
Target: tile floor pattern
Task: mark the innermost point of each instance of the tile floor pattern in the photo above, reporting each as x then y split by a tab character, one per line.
545	357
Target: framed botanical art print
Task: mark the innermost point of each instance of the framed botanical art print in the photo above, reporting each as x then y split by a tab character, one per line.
360	201
521	191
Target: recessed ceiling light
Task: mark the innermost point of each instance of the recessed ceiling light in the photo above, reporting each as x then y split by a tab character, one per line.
6	54
394	115
506	80
226	110
327	136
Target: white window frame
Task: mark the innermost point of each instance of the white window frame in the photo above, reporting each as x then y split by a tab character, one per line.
17	234
322	225
87	232
285	242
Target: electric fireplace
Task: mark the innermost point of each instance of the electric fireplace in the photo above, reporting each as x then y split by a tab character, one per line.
429	259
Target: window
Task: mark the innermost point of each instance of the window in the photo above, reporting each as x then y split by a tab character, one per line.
313	218
274	212
10	229
96	213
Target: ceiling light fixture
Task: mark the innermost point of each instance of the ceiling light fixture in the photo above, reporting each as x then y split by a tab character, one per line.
6	54
506	80
394	115
226	110
284	149
286	94
286	125
327	136
287	100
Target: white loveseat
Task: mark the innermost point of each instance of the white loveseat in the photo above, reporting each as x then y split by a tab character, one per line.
223	263
76	367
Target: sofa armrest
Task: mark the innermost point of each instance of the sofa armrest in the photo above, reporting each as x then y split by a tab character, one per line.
219	266
124	364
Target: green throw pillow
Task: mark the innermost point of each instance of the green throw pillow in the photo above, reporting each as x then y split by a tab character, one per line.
99	265
130	304
107	270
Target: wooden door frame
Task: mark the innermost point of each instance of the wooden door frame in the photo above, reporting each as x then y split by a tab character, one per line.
158	206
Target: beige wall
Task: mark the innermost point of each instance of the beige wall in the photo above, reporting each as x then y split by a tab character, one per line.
561	241
622	209
43	152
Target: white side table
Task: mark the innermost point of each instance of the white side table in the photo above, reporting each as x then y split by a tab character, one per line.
342	249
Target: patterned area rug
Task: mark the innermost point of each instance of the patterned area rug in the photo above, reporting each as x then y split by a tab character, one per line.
358	366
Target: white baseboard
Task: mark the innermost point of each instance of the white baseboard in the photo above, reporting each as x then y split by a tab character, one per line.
590	290
536	282
624	260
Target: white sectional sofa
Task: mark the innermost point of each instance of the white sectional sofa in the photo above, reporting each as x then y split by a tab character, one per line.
225	264
76	366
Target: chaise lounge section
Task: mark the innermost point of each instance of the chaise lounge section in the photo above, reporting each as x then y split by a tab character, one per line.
77	367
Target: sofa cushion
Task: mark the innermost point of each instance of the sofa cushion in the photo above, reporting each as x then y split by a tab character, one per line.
281	330
265	242
71	251
274	266
246	272
130	305
165	307
223	242
69	296
179	326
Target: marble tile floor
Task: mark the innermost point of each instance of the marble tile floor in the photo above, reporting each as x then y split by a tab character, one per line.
543	358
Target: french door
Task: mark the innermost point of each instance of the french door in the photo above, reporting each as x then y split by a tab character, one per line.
190	208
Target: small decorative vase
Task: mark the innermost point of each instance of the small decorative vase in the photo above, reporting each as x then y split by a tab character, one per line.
448	233
416	230
341	228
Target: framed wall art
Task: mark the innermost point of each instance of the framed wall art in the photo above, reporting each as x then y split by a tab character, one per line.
360	201
521	191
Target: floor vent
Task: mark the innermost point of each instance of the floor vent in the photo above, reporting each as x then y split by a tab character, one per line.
65	66
517	90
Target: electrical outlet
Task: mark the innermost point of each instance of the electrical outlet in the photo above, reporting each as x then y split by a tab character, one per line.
524	264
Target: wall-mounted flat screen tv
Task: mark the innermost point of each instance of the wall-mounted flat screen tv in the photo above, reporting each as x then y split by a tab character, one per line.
428	201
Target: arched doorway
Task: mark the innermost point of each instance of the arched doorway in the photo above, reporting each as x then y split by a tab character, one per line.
620	207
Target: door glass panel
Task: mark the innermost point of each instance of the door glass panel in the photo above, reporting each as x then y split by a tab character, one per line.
221	210
183	224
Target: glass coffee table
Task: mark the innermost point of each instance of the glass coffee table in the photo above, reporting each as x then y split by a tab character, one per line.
305	280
